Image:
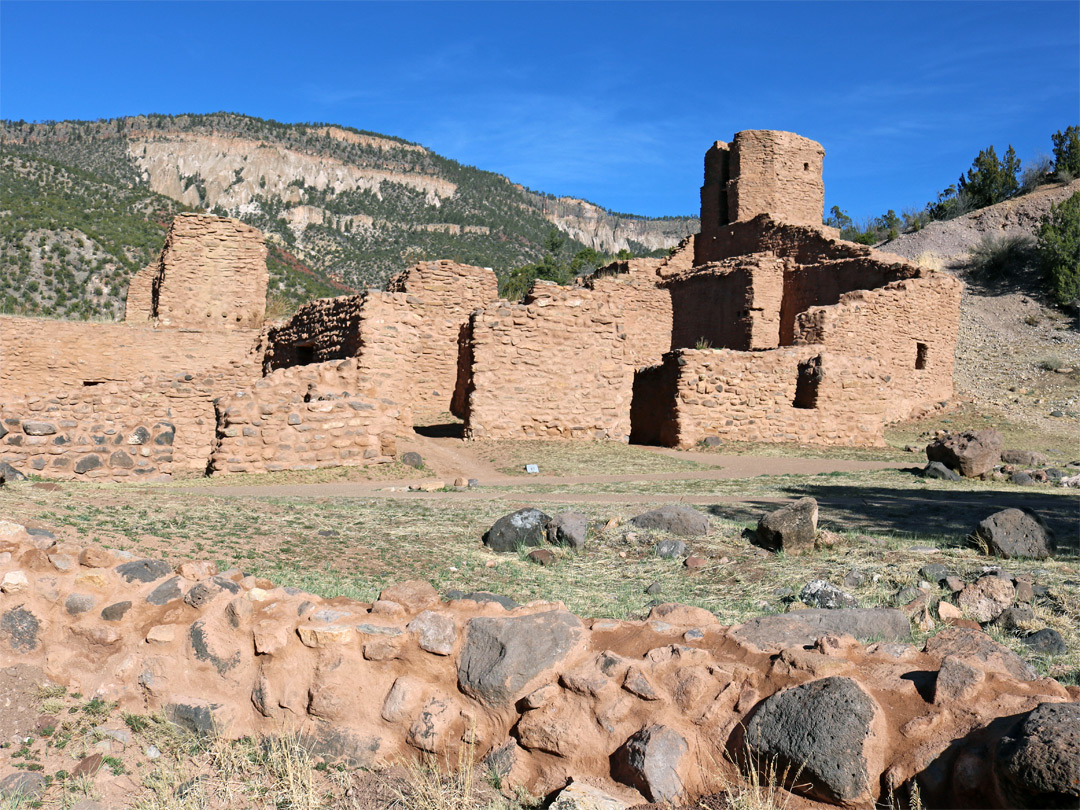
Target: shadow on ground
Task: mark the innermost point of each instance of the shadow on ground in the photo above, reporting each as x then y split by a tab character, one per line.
955	514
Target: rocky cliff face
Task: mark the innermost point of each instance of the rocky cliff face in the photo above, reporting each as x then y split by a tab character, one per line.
353	205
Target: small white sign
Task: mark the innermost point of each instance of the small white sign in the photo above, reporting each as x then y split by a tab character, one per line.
532	468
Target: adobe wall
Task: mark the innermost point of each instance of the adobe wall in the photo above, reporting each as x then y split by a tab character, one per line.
762	172
39	355
751	396
163	423
303	418
557	365
647	310
211	275
407	336
325	329
110	437
442	294
890	324
139	304
537	694
734	304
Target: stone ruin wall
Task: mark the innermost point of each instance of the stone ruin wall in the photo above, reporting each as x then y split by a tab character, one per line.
139	304
211	276
558	365
322	330
650	709
304	418
443	294
646	308
908	326
734	304
751	397
761	172
408	336
151	426
39	355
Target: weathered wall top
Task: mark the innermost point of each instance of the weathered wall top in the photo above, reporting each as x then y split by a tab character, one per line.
211	276
763	172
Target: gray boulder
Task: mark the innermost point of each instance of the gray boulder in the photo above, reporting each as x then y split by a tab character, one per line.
1038	762
568	529
481	597
412	459
821	594
971	453
1021	478
501	656
818	730
28	786
803	627
1023	458
652	762
935	469
1047	641
1016	533
525	527
791	528
674	518
9	473
670	548
144	570
964	642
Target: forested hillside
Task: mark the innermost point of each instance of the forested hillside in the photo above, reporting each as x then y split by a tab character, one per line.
84	205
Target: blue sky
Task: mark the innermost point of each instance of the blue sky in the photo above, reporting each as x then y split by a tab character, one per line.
614	102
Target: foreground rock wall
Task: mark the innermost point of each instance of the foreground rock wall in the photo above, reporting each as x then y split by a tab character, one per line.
659	706
556	366
795	394
304	418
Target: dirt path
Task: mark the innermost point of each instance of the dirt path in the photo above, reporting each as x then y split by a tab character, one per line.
451	458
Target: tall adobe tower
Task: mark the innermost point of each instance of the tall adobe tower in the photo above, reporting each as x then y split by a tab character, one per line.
762	171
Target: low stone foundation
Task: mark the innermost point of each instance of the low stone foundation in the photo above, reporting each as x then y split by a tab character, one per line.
541	696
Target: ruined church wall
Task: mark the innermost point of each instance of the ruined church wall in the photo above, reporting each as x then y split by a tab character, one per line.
731	305
890	324
39	355
323	330
139	305
212	275
777	173
647	314
89	429
750	396
556	366
304	418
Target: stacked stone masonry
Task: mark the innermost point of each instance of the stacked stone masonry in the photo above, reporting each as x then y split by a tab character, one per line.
304	418
211	275
754	397
555	366
764	327
535	693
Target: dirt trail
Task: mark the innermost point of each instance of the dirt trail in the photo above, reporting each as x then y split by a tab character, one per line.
448	459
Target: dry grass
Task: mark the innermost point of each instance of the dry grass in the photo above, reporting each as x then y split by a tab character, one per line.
572	458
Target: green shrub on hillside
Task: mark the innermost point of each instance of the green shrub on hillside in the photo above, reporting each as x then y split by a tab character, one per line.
1059	249
996	257
1067	153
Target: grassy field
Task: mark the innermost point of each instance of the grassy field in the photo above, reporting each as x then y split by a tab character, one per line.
890	524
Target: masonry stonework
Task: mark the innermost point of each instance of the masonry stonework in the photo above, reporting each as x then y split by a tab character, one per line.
764	327
554	366
304	418
211	275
